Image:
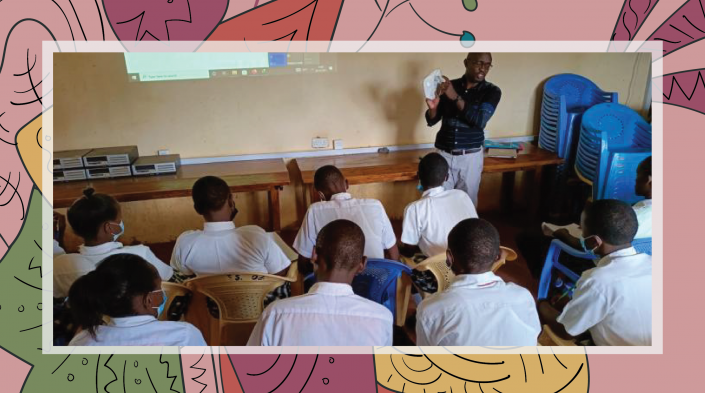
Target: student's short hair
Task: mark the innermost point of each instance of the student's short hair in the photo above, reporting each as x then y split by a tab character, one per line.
326	176
474	242
613	221
433	170
341	244
90	211
645	166
209	194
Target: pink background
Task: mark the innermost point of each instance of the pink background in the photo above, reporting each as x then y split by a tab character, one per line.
493	20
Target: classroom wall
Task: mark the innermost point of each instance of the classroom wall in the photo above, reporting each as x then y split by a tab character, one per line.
372	100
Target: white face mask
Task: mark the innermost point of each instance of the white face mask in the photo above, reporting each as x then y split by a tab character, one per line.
122	230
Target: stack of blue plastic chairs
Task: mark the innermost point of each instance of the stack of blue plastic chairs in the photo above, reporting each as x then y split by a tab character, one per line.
613	141
565	98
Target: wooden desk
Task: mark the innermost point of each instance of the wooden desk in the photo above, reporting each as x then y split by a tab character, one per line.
241	176
403	165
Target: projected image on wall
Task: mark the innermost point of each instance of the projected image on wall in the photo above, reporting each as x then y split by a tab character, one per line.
154	67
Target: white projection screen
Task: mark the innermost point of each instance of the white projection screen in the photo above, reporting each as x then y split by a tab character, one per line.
155	67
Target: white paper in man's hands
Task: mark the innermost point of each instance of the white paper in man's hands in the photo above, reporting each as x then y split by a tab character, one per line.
431	82
573	229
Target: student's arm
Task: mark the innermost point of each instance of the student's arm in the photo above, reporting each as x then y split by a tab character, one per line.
549	316
390	335
275	261
410	233
421	336
282	273
165	271
408	250
389	239
177	260
392	253
588	307
565	236
194	337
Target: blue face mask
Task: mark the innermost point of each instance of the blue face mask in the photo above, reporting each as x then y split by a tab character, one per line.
419	187
122	230
160	308
585	249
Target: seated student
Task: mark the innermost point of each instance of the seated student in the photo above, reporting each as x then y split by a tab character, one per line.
336	203
613	300
221	247
126	289
97	218
330	313
534	246
428	221
643	208
478	308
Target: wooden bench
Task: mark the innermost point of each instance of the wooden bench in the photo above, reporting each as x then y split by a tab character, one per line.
241	176
403	165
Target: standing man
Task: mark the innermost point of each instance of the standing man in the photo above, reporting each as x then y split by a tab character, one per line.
465	105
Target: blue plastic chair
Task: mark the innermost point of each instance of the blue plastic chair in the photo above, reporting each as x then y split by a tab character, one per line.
565	97
552	263
613	141
642	245
385	282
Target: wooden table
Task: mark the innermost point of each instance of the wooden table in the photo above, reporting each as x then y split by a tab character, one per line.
403	165
241	176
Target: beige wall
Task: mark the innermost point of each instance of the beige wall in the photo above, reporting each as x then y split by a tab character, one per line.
373	100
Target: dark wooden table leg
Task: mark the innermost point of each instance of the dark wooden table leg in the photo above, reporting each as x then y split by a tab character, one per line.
535	207
507	194
275	218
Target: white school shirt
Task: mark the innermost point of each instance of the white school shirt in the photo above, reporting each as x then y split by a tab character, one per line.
478	309
57	249
69	267
428	221
222	248
613	301
643	216
141	330
330	314
369	214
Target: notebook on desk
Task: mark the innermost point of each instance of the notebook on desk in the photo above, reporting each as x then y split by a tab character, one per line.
502	153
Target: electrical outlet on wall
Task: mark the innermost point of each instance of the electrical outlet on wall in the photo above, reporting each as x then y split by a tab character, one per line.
319	143
338	144
163	152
